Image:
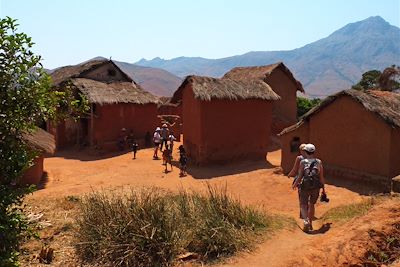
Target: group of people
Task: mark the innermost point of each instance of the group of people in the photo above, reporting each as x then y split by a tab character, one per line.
164	138
308	174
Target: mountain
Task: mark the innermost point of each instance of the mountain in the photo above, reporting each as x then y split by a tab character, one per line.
154	80
326	66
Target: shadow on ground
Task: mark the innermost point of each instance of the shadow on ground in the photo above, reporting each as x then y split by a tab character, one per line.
214	171
355	186
88	154
43	182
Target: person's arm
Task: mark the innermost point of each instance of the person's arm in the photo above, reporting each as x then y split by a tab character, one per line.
300	177
294	171
321	176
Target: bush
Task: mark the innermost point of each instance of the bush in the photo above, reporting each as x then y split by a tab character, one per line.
152	227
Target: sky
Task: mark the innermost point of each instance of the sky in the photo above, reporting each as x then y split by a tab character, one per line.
68	32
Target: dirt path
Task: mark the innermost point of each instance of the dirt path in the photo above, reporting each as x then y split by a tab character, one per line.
256	183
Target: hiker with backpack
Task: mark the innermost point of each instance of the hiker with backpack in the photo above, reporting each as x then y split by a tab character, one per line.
309	181
294	172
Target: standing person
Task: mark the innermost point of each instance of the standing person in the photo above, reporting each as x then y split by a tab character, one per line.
164	135
182	161
311	179
167	158
171	139
135	146
156	140
295	170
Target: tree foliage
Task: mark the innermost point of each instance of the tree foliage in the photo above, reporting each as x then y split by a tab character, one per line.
388	80
26	99
305	104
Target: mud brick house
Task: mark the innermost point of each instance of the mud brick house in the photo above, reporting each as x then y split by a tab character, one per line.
116	102
282	81
225	119
43	143
357	135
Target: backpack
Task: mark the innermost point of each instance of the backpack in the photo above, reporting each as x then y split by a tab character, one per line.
310	175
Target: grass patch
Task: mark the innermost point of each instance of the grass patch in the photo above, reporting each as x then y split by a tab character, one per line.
154	227
344	213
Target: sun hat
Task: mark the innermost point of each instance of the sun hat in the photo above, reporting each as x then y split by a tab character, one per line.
164	125
158	129
309	148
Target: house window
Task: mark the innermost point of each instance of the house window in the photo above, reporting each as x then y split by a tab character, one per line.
294	144
111	72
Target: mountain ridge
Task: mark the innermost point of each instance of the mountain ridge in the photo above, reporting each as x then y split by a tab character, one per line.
324	67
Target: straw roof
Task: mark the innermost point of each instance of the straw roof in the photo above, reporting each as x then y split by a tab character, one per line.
261	72
113	92
386	105
63	74
206	88
40	140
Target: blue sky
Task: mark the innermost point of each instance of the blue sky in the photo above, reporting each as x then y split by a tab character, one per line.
71	31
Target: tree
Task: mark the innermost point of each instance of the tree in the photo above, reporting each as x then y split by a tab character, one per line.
26	99
369	80
305	104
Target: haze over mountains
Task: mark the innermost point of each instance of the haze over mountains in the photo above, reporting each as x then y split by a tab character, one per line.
326	66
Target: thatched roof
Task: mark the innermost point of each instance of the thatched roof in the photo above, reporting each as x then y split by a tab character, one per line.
386	105
261	72
113	92
206	88
40	140
63	74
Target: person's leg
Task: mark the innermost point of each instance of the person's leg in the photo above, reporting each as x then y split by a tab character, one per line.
314	194
303	199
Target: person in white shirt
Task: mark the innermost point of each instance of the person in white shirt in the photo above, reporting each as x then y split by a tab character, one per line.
157	141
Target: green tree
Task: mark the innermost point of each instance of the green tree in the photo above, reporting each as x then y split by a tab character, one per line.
26	99
305	104
369	80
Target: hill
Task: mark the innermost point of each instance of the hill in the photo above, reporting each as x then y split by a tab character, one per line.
324	67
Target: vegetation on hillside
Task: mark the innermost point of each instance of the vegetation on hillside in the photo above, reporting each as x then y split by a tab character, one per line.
152	227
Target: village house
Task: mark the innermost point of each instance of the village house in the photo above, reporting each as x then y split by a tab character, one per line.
43	143
282	81
116	103
225	119
357	135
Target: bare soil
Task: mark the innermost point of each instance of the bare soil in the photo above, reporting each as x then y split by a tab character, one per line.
71	174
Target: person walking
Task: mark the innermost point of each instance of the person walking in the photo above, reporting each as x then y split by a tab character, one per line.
135	146
310	180
164	135
182	161
171	139
156	140
294	172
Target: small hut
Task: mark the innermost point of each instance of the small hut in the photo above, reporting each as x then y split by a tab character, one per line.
44	143
225	119
357	135
116	102
282	82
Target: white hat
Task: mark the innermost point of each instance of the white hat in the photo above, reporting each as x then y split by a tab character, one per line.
309	148
158	129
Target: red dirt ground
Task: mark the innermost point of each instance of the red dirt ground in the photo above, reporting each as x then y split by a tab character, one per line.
257	183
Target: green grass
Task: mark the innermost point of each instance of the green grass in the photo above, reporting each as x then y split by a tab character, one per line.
345	213
152	227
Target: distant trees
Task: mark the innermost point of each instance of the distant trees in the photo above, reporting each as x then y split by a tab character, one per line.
305	104
388	80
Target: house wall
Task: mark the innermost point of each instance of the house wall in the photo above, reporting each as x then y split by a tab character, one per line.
289	145
285	109
66	133
349	136
34	174
395	153
102	74
222	130
111	118
191	109
177	129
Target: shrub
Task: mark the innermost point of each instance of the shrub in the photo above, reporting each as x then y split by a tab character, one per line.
152	227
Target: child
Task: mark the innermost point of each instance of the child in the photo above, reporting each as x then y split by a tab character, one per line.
171	139
167	158
182	161
135	146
